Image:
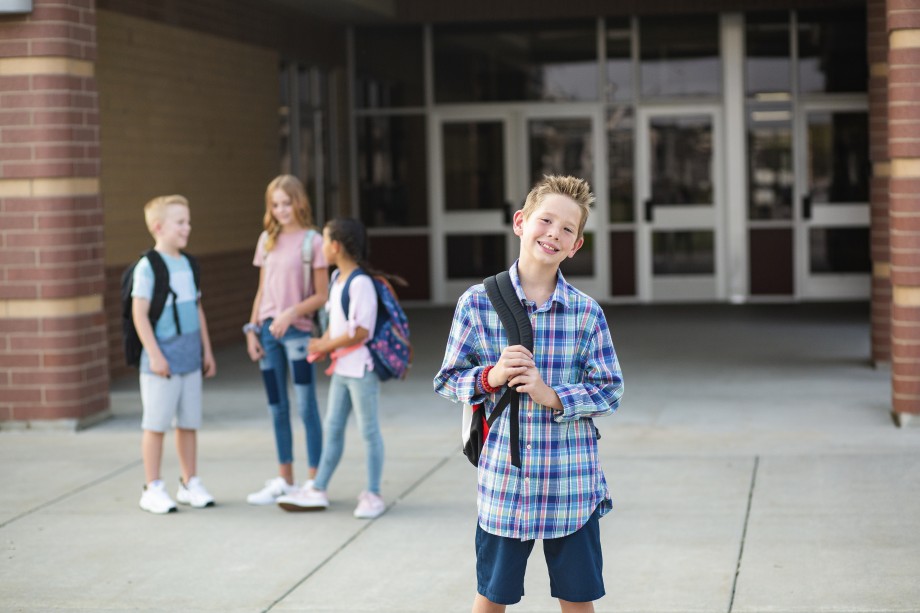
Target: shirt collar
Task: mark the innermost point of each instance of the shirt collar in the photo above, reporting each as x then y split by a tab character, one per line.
559	294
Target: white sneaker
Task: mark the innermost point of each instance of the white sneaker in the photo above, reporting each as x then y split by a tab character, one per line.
273	489
194	494
156	500
370	506
305	499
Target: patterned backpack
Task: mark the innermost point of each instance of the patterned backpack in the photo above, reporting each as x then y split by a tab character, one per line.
390	347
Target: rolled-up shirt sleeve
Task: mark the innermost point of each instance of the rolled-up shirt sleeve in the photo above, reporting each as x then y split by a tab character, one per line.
457	380
601	386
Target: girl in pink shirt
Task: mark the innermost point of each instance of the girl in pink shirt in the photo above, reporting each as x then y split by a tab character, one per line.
354	383
281	325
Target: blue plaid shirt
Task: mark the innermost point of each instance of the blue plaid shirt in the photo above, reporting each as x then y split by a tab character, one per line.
560	482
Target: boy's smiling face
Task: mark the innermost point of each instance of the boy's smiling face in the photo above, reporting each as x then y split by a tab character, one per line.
172	233
550	233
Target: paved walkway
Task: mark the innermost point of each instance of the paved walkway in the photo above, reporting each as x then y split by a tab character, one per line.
753	464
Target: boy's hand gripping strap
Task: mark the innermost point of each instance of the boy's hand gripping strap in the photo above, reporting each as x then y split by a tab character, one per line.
517	326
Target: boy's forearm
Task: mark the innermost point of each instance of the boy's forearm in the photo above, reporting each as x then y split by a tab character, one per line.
141	319
203	324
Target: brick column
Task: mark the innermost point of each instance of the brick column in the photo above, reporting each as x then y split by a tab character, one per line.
878	191
904	151
53	351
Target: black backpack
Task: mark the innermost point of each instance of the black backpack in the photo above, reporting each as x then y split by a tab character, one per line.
161	290
515	321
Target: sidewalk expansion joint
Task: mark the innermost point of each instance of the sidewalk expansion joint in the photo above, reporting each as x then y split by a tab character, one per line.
72	492
747	517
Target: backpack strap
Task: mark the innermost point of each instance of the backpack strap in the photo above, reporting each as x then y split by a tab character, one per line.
196	271
306	258
517	326
162	289
346	299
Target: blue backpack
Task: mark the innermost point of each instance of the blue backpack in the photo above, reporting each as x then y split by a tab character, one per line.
389	347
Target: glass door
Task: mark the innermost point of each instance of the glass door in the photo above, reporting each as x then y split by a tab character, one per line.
486	162
679	202
833	172
564	142
473	195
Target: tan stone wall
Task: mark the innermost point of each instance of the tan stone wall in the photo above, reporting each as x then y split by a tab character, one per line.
189	113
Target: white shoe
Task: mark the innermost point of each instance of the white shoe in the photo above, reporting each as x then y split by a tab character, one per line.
194	494
156	500
273	489
306	499
370	506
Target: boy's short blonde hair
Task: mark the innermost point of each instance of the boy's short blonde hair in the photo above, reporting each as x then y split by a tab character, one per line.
155	210
572	187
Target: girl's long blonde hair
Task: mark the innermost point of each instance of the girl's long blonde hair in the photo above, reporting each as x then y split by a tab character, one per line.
303	212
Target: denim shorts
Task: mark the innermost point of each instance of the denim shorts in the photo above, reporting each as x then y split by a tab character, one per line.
574	561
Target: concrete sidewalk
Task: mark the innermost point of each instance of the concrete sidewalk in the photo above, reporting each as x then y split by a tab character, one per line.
753	464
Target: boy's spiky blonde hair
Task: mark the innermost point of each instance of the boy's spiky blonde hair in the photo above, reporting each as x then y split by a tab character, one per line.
155	210
572	187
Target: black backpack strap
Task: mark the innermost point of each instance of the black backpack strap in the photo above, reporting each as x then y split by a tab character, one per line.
518	312
196	272
161	290
517	326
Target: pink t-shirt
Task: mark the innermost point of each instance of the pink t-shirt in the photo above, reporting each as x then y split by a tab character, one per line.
362	311
283	284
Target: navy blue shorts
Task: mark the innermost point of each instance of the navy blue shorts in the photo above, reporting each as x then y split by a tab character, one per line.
574	561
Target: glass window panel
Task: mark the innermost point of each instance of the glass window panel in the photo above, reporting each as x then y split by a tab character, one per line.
474	165
619	86
560	147
839	250
521	61
392	191
680	56
389	69
681	160
838	157
620	136
768	61
475	256
685	252
582	265
770	170
832	51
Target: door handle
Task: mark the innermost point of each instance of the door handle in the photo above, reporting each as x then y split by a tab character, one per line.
649	210
806	206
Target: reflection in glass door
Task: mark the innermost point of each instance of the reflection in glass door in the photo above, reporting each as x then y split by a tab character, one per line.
565	145
678	171
833	232
487	161
473	192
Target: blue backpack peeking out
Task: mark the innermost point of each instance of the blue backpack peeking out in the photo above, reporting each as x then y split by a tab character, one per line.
389	347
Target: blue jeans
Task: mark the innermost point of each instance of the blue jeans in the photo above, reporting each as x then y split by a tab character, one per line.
345	393
280	354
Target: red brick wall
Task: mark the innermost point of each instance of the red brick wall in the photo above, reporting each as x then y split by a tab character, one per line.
877	53
904	195
52	328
